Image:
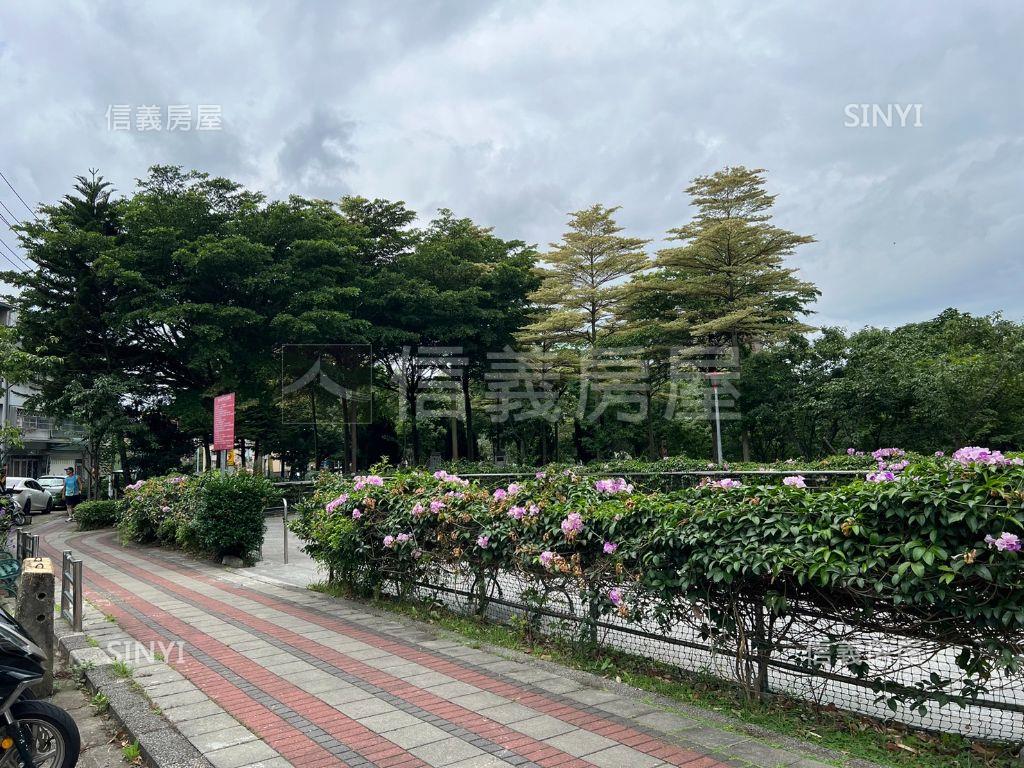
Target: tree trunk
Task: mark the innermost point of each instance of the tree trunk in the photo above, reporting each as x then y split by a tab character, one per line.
414	430
206	454
122	452
241	452
466	399
316	436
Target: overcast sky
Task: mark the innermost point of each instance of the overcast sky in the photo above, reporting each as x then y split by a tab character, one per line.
515	113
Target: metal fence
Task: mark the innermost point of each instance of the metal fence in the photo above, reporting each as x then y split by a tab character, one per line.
71	588
27	545
270	512
811	667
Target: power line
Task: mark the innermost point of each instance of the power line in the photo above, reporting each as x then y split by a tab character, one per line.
14	254
9	212
27	207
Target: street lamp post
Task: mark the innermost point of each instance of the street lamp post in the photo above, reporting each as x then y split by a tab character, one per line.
713	376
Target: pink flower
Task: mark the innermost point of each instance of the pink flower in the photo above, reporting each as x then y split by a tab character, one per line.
610	547
726	482
794	481
851	451
436	506
500	493
165	510
333	505
546	558
541	475
356	514
615	595
417	553
483	541
1007	542
402	538
418	509
516	512
389	541
572	524
882	476
976	455
886	453
613	485
939	454
513	489
533	510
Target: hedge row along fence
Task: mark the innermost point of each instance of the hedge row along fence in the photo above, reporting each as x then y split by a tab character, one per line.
211	513
925	551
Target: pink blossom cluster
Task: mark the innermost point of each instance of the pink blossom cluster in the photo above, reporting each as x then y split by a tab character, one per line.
615	596
610	547
333	505
794	481
361	481
483	541
356	513
977	455
888	453
881	476
436	505
418	509
547	557
726	482
613	485
178	480
1005	542
402	538
134	486
444	477
572	524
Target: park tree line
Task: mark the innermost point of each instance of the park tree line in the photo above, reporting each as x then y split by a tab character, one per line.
145	306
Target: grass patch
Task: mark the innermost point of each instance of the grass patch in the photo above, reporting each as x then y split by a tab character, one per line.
131	753
122	668
100	703
850	735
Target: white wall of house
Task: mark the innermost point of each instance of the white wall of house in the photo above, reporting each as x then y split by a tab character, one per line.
49	446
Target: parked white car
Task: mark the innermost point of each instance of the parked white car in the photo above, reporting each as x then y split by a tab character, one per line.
30	495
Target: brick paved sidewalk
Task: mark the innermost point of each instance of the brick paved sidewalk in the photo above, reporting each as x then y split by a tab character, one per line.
272	675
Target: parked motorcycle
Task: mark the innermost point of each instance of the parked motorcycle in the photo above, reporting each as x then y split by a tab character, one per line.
33	734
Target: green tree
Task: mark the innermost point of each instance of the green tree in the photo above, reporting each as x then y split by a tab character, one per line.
726	285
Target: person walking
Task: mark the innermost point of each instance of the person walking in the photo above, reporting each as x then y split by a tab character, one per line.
72	492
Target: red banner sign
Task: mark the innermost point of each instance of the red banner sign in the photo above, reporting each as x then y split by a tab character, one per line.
224	422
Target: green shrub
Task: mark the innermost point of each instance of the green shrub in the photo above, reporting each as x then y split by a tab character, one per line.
211	513
929	552
229	517
96	514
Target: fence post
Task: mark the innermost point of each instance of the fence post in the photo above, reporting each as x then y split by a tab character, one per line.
284	520
34	611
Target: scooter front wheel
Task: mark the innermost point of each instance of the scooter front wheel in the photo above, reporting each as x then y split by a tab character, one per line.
52	736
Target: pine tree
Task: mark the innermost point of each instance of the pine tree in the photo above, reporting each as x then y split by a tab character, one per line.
726	285
581	288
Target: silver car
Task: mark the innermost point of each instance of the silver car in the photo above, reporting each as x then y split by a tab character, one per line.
30	495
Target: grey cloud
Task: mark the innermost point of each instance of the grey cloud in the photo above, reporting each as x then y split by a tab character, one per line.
515	113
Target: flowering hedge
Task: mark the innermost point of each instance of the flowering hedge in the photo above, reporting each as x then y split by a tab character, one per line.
927	549
212	513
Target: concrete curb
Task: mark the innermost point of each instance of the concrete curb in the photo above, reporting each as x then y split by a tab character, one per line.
160	743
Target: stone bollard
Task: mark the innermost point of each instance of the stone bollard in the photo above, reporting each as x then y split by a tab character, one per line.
34	611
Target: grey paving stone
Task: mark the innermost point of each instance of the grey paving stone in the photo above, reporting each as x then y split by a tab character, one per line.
714	738
542	727
559	685
221	738
416	735
364	708
192	711
579	742
203	725
171	700
508	713
446	752
343	694
592	696
451	690
389	721
241	754
482	761
621	756
760	755
667	722
478	701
